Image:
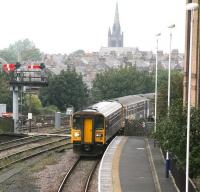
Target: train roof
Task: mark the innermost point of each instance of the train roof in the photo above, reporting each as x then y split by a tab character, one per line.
148	95
104	107
130	99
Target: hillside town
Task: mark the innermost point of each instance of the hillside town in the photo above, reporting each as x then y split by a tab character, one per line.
89	64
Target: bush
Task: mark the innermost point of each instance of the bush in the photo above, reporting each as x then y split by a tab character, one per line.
171	134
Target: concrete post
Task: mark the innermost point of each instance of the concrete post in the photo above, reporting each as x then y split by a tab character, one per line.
57	120
15	108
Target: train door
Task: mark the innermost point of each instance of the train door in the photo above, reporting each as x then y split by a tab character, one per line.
88	131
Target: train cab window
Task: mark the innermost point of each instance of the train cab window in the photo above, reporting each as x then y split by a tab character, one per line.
99	122
77	122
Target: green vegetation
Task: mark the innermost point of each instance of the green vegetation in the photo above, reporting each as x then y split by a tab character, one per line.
176	89
120	82
25	50
65	89
32	102
6	125
5	93
51	109
171	133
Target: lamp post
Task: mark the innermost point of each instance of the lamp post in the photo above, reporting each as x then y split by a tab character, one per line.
169	67
189	7
156	84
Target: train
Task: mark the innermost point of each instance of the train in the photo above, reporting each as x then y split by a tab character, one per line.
93	127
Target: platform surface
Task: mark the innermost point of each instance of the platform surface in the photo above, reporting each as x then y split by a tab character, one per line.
135	172
134	164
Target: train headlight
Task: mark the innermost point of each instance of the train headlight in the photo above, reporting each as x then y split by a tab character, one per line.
76	134
99	135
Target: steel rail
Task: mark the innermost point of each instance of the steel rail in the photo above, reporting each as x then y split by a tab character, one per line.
15	140
25	138
35	154
67	175
35	139
16	144
90	175
7	158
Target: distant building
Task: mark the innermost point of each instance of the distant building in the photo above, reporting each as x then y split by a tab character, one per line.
195	57
117	51
113	56
115	38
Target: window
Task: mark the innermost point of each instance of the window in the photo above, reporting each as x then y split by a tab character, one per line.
77	122
99	122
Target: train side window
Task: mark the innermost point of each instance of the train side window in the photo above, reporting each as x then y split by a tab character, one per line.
77	122
99	122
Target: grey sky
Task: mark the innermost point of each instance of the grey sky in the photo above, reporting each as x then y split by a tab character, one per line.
63	26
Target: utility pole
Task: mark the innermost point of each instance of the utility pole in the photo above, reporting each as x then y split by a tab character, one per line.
29	108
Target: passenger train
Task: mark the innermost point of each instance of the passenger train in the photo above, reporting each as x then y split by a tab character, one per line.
93	127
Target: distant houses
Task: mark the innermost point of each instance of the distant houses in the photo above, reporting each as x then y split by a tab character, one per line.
89	64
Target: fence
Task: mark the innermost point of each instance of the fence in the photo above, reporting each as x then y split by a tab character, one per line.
138	127
179	176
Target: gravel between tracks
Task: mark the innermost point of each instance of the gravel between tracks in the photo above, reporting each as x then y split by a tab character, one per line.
94	182
43	173
49	179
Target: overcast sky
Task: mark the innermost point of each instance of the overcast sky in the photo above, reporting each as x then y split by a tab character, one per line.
63	26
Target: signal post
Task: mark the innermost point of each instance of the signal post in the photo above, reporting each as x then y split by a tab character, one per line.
29	76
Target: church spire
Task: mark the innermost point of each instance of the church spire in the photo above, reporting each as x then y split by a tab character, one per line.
116	24
115	39
109	31
116	20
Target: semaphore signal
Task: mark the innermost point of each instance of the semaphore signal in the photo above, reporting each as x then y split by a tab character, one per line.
32	75
11	67
8	67
41	66
33	66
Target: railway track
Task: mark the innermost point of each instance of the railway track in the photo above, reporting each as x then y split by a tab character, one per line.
6	137
25	148
79	176
9	158
25	140
34	127
20	142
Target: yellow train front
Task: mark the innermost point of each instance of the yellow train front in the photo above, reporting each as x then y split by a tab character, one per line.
93	127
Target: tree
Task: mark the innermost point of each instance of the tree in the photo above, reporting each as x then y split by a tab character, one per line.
176	91
171	134
25	50
5	93
8	55
120	82
32	103
51	109
64	90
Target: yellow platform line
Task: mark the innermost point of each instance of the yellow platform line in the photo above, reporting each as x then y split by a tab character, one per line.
115	166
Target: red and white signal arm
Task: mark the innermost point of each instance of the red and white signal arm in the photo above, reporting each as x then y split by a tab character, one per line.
33	66
8	67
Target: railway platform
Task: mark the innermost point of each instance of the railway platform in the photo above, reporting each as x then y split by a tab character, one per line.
133	164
